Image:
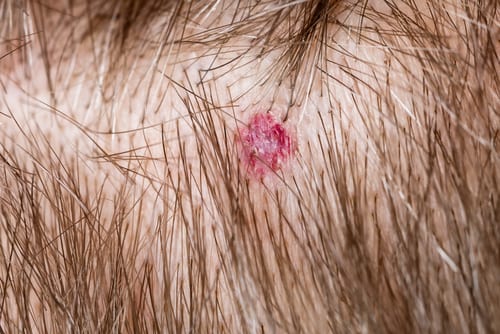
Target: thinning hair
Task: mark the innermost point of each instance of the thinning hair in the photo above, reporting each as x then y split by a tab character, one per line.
125	206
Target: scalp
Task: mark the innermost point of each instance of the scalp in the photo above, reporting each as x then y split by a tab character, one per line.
124	207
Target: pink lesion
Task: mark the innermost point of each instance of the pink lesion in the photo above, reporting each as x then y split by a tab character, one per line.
265	145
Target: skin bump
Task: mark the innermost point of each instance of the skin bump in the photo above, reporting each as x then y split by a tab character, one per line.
265	145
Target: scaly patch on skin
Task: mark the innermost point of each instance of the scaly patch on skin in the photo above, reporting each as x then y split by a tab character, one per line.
265	145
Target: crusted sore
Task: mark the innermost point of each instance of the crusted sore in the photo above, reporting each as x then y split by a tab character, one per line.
265	144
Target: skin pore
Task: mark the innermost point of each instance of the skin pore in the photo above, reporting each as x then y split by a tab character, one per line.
126	199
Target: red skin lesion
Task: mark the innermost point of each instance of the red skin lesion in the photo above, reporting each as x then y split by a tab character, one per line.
265	145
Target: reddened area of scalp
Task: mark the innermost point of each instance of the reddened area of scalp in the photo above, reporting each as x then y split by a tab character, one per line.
265	144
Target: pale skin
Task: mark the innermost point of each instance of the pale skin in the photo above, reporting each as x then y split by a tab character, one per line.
128	204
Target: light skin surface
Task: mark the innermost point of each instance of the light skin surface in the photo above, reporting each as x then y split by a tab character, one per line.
127	204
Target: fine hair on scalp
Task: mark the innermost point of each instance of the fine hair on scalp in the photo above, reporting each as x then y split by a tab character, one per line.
124	206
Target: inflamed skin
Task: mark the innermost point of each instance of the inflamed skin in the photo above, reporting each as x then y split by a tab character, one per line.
265	145
241	166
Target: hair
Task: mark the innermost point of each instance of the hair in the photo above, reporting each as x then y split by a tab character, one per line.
124	205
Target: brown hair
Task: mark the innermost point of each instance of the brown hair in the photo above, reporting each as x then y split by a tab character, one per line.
124	206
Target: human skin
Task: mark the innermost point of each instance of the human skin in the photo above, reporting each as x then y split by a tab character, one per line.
127	203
